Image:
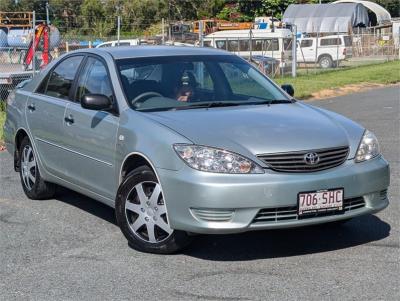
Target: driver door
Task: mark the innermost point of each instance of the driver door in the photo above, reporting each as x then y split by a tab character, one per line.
91	136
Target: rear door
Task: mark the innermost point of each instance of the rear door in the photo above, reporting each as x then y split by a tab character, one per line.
45	113
90	135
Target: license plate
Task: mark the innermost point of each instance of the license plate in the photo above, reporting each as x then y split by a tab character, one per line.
320	201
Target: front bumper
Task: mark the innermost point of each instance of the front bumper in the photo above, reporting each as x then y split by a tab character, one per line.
202	202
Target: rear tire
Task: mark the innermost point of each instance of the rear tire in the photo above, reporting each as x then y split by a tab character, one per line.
34	186
141	214
325	62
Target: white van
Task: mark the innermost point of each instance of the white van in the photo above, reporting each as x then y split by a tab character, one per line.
331	50
132	42
264	42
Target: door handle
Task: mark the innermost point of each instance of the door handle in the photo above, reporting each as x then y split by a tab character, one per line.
69	119
31	107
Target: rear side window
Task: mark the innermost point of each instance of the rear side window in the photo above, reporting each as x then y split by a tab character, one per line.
221	44
287	44
62	77
94	79
330	42
306	43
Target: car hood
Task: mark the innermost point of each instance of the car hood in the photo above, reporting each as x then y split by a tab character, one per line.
260	129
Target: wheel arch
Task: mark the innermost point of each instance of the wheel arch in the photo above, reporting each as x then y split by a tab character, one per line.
132	161
19	136
325	55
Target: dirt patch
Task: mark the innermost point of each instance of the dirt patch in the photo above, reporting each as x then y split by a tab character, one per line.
347	89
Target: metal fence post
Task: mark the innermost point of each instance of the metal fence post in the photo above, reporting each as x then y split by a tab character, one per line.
201	41
294	50
162	31
250	44
316	52
118	29
338	40
33	43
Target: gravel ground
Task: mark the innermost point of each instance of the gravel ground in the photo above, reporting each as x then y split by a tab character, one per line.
70	248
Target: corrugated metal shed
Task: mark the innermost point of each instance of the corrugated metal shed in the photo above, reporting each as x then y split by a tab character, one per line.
328	18
382	15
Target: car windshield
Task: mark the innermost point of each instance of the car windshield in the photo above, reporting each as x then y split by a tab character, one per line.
189	82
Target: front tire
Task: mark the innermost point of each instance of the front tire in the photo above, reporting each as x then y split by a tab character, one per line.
34	186
141	214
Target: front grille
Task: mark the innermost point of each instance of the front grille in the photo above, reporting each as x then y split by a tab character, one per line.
295	162
273	215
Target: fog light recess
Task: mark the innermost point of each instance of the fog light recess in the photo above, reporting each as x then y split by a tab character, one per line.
213	215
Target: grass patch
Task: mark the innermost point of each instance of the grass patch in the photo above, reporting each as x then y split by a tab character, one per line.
2	120
306	85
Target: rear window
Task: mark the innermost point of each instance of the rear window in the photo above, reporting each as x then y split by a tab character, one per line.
105	45
330	42
347	41
60	80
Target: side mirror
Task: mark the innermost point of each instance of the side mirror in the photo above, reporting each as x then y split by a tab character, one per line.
288	89
96	102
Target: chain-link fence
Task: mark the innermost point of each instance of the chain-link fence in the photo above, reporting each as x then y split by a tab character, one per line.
271	52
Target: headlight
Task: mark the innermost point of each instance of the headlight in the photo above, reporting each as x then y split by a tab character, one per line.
215	160
369	147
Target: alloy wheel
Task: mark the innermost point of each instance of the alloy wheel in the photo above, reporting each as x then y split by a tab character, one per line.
28	167
146	213
325	63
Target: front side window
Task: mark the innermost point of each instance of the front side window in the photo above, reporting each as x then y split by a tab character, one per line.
306	43
62	77
172	82
94	79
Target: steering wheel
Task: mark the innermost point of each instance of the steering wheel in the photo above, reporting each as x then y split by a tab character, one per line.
145	94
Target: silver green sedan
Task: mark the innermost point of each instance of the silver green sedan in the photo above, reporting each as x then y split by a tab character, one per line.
184	140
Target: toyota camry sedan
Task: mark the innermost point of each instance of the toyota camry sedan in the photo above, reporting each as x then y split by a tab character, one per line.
190	140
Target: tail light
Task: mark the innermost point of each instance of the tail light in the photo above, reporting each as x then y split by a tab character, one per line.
344	51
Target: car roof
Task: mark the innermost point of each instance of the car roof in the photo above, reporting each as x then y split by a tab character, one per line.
150	51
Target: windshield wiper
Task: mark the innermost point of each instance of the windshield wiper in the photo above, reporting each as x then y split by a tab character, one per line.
214	104
268	101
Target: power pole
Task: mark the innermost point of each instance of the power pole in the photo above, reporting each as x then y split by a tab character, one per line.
47	14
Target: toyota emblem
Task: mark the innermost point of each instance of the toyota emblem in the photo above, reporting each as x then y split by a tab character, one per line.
311	158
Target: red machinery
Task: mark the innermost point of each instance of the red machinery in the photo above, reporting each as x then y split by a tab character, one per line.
41	32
